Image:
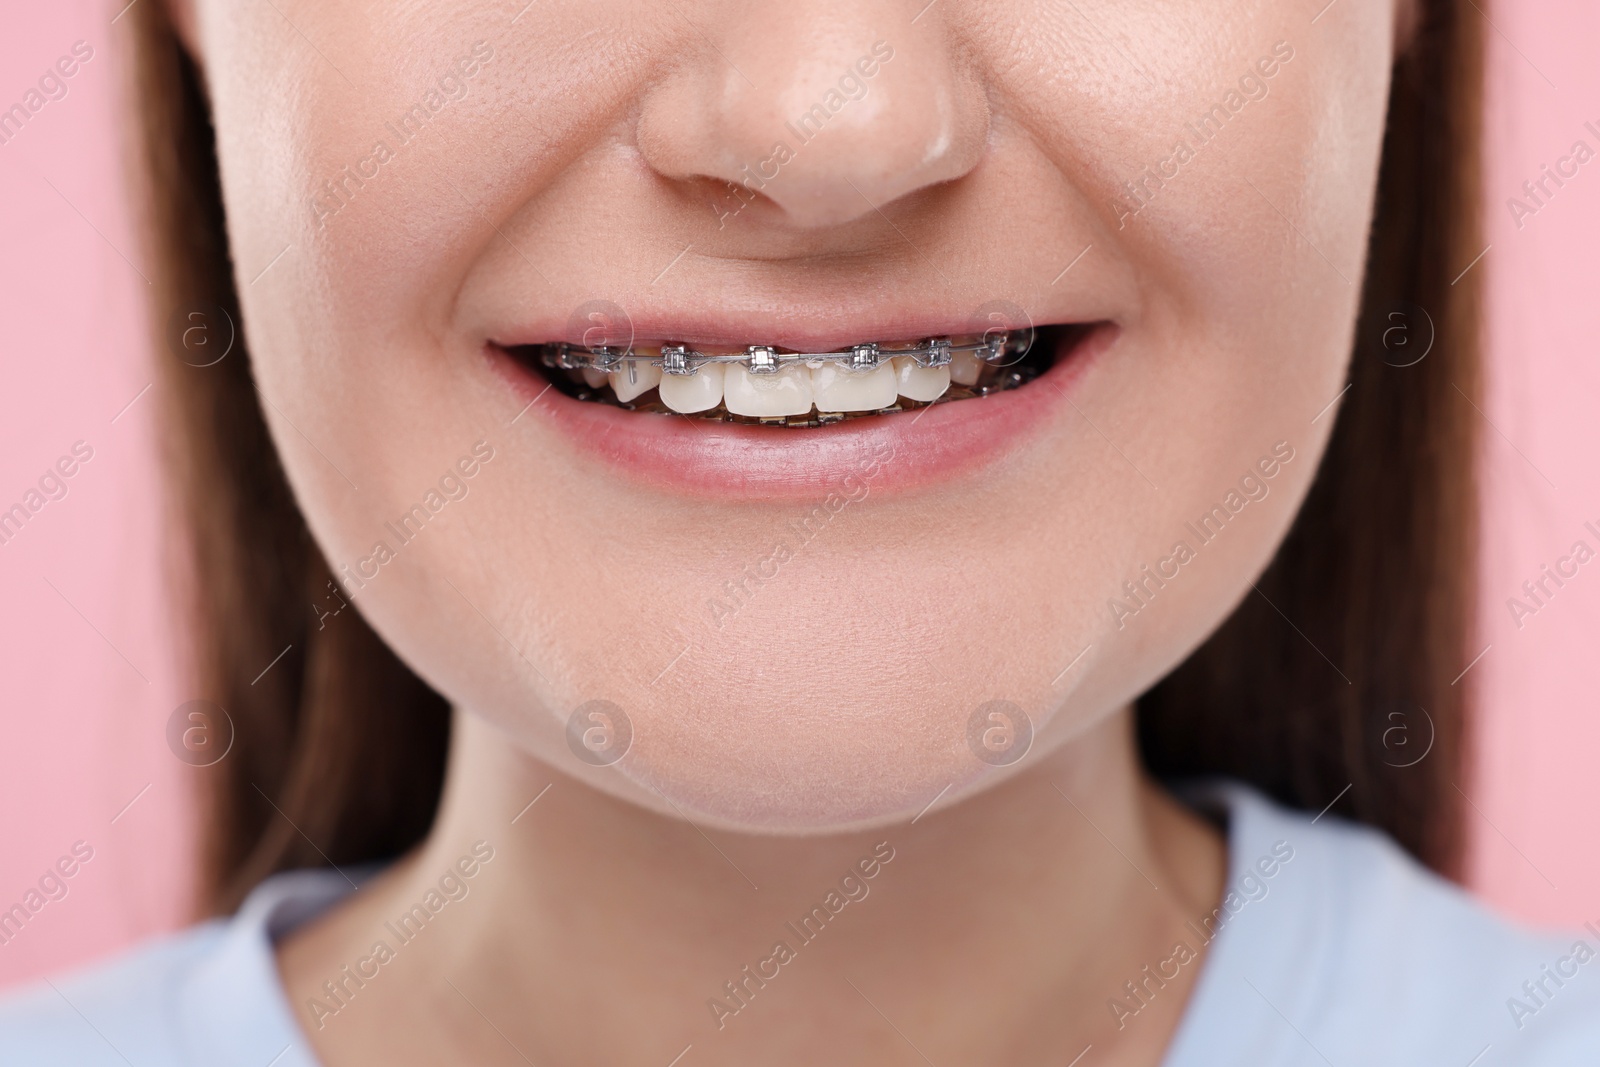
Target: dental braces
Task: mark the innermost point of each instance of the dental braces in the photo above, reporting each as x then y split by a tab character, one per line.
679	359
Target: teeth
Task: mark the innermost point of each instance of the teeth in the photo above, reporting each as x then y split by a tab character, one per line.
633	379
787	392
783	385
965	368
925	384
689	393
840	389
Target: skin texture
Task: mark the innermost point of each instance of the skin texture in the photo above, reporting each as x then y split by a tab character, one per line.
589	156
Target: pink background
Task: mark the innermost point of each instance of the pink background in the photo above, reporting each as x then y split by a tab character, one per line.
89	647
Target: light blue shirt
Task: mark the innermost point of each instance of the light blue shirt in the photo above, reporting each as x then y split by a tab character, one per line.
1331	947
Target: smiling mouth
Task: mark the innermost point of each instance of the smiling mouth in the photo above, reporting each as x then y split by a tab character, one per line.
764	385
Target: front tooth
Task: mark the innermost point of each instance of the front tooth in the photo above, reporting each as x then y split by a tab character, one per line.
634	378
916	382
838	388
767	396
965	368
593	378
689	393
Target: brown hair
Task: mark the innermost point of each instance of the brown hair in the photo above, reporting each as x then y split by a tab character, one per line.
1364	614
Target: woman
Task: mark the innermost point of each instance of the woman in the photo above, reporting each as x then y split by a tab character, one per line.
862	532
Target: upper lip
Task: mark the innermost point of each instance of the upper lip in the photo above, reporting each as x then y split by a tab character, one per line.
798	327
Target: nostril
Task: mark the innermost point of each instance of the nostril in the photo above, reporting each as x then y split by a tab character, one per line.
726	199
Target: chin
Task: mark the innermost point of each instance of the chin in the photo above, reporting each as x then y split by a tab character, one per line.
804	767
822	743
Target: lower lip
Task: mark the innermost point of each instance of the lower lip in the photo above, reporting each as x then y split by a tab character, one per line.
909	450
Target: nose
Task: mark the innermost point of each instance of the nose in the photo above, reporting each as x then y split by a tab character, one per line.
827	109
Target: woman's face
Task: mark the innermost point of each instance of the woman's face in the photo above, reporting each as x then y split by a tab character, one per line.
796	627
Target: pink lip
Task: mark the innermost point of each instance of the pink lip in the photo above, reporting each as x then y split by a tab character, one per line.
891	452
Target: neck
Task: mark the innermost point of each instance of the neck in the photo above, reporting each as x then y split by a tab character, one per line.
998	929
